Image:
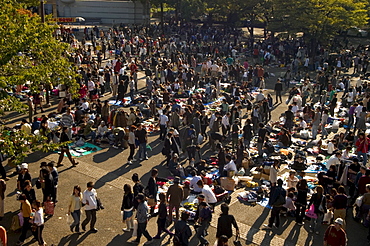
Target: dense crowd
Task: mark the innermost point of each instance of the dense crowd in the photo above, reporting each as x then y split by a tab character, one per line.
208	83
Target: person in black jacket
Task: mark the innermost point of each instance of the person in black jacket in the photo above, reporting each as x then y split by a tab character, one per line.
65	149
162	217
152	188
29	191
128	207
277	200
278	89
225	223
318	199
137	188
48	189
301	202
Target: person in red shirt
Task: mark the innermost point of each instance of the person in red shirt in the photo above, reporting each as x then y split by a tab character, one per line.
133	67
362	182
362	145
335	235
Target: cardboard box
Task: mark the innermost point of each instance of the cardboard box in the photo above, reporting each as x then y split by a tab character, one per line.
265	176
228	183
256	175
266	170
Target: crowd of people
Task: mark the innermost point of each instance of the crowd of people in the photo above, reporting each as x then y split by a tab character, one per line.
207	85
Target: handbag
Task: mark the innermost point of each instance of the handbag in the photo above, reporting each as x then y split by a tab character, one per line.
321	207
328	216
359	201
311	212
33	227
237	241
99	205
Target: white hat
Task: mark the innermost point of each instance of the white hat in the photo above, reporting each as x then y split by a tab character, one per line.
24	166
339	221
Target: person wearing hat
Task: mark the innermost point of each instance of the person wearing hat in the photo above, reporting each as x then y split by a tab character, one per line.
102	131
23	176
174	196
335	235
65	149
142	216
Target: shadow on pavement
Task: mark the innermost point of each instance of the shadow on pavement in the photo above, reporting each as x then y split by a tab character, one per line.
73	239
293	236
115	174
119	240
257	224
104	156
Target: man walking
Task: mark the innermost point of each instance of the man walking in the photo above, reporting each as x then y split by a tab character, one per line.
278	89
142	136
175	195
277	200
89	199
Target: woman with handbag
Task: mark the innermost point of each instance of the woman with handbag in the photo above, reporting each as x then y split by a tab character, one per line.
74	208
128	207
38	222
319	201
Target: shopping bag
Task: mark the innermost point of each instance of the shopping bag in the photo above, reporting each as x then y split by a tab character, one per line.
151	202
15	226
311	212
359	201
49	207
328	216
134	233
68	219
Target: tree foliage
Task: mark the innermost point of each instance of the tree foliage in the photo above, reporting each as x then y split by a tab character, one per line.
29	54
318	19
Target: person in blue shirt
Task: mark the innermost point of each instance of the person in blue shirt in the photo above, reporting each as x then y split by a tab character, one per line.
35	124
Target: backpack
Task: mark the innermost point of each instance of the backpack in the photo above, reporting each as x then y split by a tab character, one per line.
280	201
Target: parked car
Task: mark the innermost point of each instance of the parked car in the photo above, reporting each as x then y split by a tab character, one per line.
356	32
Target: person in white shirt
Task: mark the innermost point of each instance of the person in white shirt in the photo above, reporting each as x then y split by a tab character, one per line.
208	194
331	147
347	153
89	197
102	130
38	220
163	123
334	160
85	105
90	86
225	124
193	183
230	167
302	124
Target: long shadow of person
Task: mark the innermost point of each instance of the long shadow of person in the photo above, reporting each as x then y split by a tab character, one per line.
257	224
293	236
